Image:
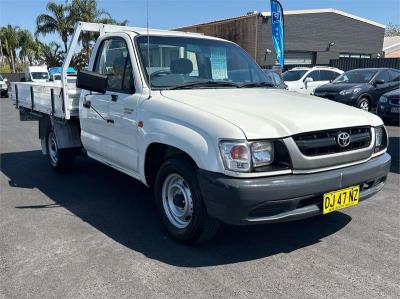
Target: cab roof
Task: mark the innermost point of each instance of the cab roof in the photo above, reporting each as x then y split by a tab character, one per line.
159	32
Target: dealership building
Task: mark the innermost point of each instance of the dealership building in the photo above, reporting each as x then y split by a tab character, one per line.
312	36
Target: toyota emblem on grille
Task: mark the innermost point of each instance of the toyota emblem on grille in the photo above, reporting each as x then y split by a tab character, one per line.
343	139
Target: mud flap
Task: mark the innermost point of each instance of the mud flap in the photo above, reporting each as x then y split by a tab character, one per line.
67	133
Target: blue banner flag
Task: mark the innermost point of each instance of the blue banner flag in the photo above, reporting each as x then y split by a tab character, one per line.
277	31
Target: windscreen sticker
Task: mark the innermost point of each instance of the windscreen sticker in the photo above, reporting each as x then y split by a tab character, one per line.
219	64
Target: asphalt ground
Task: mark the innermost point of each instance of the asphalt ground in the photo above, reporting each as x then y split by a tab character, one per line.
94	233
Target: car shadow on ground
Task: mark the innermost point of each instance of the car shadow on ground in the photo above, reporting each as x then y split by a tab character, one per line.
124	210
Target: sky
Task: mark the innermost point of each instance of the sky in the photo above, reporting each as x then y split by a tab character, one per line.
167	14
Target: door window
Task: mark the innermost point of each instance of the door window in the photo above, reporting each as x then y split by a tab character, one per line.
335	75
327	75
314	75
278	79
394	76
113	60
384	75
270	78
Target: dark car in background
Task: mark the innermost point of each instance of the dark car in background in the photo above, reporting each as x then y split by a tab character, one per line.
389	106
275	78
361	88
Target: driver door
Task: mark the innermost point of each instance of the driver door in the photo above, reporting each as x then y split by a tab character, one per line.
115	62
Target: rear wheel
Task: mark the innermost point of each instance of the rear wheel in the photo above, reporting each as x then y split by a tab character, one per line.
364	104
180	203
60	160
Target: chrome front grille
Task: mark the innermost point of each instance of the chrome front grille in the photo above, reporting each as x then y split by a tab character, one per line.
326	142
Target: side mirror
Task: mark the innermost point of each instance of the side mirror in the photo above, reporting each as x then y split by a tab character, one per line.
92	81
5	80
307	80
379	81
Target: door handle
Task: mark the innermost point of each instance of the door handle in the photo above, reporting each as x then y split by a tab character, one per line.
114	97
110	121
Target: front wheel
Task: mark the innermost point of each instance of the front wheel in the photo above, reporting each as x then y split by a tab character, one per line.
364	104
180	203
60	160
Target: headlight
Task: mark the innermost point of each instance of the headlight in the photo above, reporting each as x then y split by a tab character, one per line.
383	99
242	156
345	92
381	141
350	91
262	153
236	156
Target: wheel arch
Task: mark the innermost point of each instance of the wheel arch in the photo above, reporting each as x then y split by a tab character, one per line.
365	95
156	154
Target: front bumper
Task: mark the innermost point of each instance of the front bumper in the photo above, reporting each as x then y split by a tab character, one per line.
246	201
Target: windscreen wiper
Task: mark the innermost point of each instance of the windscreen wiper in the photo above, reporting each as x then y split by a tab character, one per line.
257	84
204	84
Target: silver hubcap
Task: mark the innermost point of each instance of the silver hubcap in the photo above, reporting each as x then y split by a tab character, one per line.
52	146
364	105
177	200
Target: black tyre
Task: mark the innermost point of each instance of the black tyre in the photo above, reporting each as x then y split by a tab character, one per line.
61	160
364	104
180	203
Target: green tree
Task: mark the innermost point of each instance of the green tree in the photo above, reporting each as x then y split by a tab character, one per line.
26	44
87	11
10	43
51	54
58	20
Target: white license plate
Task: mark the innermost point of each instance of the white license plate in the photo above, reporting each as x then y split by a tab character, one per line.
395	110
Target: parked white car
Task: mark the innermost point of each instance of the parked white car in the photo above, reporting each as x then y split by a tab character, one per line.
3	87
38	74
194	118
305	80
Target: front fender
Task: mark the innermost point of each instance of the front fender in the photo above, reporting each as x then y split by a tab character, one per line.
191	130
194	142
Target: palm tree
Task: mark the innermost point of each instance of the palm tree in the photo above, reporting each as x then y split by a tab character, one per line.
35	52
87	11
10	41
59	20
25	44
52	54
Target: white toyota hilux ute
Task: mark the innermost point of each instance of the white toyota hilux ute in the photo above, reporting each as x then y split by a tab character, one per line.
193	118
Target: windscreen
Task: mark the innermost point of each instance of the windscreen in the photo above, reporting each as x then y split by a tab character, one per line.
270	78
39	75
293	75
173	61
356	76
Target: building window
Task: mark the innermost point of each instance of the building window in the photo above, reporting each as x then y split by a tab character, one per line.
354	55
